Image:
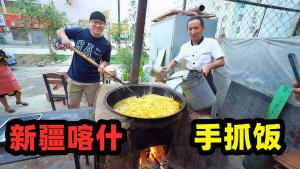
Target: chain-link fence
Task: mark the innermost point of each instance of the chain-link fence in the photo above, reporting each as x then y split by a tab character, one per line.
253	18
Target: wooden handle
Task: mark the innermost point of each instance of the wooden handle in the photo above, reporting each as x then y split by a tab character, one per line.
90	60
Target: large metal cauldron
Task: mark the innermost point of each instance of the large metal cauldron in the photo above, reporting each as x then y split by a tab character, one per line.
118	94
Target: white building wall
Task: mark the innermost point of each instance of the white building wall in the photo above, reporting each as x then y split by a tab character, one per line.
228	14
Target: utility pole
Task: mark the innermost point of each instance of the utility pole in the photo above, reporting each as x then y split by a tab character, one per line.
138	41
119	25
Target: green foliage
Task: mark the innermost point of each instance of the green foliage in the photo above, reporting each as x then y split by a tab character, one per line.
144	60
115	59
132	19
124	57
12	10
45	16
125	76
59	58
126	61
115	35
27	8
52	20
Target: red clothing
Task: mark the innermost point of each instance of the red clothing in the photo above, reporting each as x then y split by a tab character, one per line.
8	82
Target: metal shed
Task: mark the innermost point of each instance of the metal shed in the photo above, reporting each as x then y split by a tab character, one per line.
170	32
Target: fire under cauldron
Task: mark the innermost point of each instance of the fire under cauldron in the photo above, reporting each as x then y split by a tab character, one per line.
147	132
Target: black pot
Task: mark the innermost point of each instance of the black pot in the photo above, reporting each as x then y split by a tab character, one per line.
118	94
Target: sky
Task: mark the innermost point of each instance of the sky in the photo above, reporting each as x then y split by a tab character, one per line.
157	7
154	8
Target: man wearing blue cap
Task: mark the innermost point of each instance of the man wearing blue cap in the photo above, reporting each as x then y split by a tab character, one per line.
83	76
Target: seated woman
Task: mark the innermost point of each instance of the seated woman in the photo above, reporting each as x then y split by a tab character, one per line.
8	84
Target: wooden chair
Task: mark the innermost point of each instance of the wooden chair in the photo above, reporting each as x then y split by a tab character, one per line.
56	85
58	89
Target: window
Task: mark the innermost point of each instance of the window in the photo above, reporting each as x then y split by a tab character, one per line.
237	30
20	34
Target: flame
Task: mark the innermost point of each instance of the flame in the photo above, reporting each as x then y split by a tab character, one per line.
152	151
151	156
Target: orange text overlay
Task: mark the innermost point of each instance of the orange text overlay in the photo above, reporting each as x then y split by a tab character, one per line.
48	137
237	137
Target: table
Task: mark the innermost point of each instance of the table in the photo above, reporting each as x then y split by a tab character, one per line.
69	115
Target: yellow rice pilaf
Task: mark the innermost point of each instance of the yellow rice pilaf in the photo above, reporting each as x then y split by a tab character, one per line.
148	106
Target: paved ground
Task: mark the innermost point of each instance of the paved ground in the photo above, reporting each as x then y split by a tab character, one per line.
30	78
34	49
33	88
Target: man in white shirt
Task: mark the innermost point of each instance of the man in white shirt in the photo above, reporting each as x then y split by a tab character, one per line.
200	53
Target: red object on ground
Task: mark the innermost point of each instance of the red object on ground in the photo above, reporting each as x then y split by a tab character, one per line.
8	82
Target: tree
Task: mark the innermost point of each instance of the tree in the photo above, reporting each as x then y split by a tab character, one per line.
47	17
115	35
132	19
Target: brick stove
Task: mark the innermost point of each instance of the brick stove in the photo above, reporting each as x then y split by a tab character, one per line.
171	135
